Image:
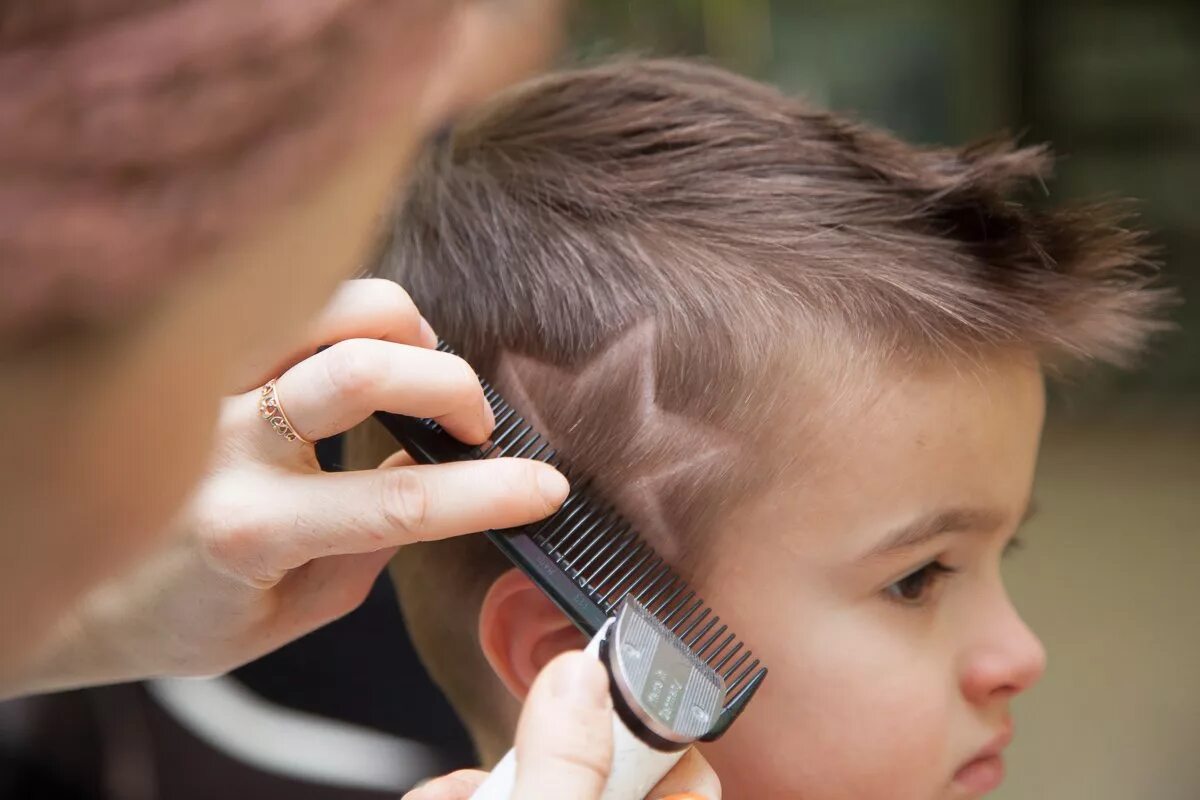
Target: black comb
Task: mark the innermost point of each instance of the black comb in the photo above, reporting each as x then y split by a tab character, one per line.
585	557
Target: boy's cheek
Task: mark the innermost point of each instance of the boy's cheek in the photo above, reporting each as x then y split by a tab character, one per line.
842	715
857	704
832	751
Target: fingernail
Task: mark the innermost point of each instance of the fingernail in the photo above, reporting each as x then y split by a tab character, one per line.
428	337
552	485
580	680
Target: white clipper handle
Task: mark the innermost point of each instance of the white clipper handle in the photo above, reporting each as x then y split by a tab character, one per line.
636	766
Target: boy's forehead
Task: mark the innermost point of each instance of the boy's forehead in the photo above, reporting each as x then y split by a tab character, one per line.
919	442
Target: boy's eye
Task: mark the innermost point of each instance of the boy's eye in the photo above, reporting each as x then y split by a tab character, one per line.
914	588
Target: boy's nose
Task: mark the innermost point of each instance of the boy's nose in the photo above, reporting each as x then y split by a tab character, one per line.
1006	658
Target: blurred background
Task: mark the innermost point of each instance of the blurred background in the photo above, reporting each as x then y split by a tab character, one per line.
1111	574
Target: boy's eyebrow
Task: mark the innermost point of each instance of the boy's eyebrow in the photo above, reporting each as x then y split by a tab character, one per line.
949	520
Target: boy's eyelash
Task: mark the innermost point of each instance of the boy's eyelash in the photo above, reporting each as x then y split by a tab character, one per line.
913	589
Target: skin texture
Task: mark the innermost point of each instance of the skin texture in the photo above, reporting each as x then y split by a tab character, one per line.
868	697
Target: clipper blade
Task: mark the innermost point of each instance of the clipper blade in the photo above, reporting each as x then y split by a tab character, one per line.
663	691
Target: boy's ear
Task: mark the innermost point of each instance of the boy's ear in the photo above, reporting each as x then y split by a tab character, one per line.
521	630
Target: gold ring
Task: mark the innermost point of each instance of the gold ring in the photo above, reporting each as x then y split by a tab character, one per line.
270	409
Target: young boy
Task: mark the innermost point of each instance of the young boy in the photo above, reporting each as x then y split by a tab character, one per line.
806	360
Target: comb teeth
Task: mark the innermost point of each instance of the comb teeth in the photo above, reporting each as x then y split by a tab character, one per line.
603	557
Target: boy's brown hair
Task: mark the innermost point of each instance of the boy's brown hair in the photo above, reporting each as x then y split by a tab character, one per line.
660	263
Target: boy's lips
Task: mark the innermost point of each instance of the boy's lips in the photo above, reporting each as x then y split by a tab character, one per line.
984	772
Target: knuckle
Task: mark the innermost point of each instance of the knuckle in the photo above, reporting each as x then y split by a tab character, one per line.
221	538
394	306
349	368
238	549
405	503
232	533
393	296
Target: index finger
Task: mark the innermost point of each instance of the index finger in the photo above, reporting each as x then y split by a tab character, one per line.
342	385
343	513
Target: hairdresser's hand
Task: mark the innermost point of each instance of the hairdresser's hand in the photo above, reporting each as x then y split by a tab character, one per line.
564	744
270	547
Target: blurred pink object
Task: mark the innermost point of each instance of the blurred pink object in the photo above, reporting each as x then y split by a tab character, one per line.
136	135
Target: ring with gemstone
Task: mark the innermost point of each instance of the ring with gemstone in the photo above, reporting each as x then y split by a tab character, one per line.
270	409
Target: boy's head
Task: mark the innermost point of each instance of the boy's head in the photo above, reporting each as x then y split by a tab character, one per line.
805	359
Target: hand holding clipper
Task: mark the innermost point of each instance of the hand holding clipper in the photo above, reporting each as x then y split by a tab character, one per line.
565	752
663	698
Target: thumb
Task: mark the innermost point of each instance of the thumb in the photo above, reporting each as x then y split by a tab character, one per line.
564	737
